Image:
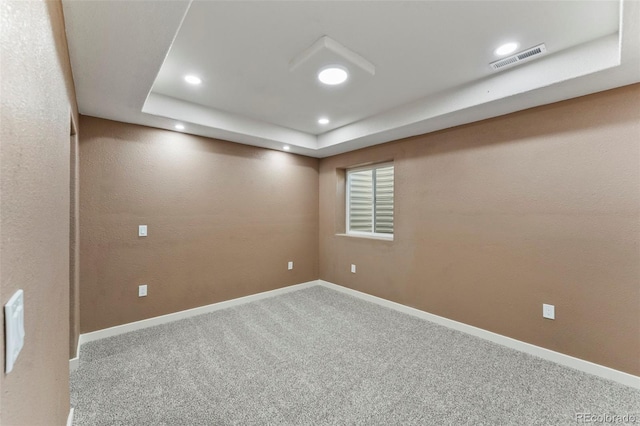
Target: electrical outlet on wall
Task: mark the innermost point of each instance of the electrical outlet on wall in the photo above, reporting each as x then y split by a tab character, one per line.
353	268
548	311
142	290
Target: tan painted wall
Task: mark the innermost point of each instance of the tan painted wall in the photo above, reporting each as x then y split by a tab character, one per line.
37	103
60	37
223	220
495	218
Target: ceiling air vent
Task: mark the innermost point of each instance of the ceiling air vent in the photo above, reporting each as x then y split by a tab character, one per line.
518	58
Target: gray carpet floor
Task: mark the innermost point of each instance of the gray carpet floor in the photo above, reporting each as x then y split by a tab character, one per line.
320	357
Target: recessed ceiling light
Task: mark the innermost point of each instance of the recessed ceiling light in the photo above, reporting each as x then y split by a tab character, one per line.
323	120
179	126
333	75
192	79
506	48
286	147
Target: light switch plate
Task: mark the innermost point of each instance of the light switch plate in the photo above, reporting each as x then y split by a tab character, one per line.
14	326
142	290
290	265
142	230
353	269
548	311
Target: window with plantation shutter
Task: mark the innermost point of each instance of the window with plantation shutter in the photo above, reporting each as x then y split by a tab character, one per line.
370	200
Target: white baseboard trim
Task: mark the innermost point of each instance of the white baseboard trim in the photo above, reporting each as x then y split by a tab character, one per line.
70	418
74	363
163	319
557	357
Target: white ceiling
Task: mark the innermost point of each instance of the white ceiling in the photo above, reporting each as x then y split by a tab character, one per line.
431	63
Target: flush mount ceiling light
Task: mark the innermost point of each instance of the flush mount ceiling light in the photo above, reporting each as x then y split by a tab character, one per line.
506	48
179	126
192	79
333	75
286	147
323	120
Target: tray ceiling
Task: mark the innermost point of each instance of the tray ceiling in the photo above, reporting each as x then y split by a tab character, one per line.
414	67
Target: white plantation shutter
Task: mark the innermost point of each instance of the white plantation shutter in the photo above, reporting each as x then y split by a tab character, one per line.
370	200
361	201
384	200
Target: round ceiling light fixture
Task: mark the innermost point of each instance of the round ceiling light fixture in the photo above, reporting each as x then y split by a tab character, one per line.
333	75
506	48
192	79
323	120
179	126
286	147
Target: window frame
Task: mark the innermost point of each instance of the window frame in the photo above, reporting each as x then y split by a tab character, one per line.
372	234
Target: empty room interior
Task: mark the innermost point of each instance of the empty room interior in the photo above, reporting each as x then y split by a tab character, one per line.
320	212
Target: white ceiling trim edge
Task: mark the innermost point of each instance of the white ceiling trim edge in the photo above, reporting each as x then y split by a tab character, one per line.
226	122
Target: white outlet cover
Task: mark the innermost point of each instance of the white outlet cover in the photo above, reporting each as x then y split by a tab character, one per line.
142	290
353	269
290	265
548	311
142	230
14	324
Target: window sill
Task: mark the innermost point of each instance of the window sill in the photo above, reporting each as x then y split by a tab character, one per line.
368	237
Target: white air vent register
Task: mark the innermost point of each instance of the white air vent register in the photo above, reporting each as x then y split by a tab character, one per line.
519	58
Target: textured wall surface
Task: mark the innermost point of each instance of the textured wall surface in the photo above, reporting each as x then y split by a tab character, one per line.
36	109
495	218
223	220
